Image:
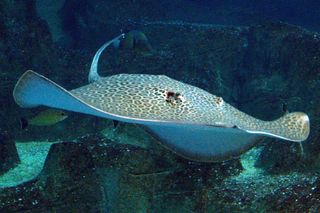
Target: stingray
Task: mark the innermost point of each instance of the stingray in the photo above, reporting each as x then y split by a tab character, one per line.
188	120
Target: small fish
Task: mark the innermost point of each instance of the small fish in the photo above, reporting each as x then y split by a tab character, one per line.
45	118
135	40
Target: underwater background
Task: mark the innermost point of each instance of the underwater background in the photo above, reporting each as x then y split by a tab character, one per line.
259	56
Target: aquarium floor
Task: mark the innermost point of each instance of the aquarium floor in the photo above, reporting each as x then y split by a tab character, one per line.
32	156
248	182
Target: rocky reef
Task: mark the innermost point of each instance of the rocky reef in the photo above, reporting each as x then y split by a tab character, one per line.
258	68
8	153
98	174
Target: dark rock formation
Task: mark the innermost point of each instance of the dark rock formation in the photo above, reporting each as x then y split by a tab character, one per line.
8	153
303	196
279	193
153	179
69	174
99	175
158	180
68	182
88	19
112	177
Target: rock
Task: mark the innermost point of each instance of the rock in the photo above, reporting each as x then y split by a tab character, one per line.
301	196
153	179
69	174
99	18
68	182
8	153
158	180
100	175
274	160
294	192
96	174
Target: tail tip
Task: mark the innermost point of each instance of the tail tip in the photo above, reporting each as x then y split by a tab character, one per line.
305	126
301	125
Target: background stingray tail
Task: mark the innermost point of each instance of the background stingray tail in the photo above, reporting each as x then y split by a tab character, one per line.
293	126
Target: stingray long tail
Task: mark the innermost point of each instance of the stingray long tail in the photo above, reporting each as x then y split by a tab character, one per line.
93	74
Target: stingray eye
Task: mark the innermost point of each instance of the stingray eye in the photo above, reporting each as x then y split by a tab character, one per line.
218	101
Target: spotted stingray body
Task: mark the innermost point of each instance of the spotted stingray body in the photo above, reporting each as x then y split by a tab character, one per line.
186	119
146	97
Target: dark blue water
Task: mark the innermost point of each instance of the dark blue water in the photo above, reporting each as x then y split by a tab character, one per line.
86	17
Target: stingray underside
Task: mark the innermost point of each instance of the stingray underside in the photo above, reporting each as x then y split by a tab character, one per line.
196	142
204	143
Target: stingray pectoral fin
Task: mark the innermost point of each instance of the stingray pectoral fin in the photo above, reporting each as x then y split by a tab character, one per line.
33	89
293	126
204	143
